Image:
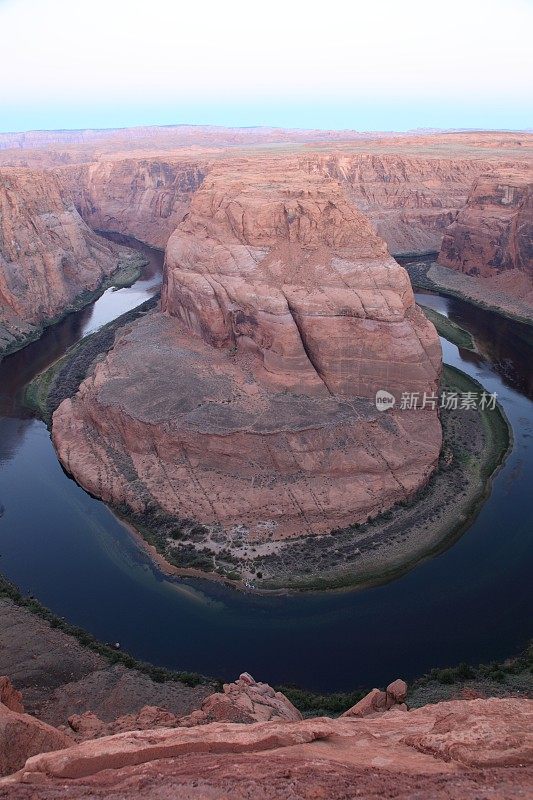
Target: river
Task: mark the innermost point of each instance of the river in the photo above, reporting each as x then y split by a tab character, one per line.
471	603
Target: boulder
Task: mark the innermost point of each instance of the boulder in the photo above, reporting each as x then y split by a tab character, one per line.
377	700
89	726
244	701
397	690
22	736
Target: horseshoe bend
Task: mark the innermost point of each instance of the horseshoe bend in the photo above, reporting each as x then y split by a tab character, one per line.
246	403
234	422
266	401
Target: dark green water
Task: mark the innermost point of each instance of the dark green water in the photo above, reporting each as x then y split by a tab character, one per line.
472	603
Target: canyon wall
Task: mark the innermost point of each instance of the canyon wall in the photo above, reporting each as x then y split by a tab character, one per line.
410	199
248	405
410	186
48	255
493	233
143	198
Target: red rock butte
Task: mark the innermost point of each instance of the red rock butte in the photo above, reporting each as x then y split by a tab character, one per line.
249	402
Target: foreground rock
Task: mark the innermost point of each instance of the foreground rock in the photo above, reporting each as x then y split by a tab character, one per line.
492	237
23	736
243	701
249	404
480	748
48	255
378	701
9	696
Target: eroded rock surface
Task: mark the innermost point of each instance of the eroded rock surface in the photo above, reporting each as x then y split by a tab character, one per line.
410	199
243	701
458	749
9	696
48	255
492	236
280	264
142	197
250	402
23	736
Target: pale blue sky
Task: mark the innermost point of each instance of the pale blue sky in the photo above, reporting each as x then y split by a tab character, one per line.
386	65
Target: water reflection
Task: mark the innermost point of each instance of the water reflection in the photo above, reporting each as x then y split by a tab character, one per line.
507	345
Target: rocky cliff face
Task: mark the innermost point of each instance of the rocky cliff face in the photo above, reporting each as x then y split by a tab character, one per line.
145	198
493	234
280	264
409	199
249	404
456	749
48	255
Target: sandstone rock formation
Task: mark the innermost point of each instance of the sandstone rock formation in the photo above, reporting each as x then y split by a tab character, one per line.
249	404
243	701
140	183
409	198
22	736
481	748
145	198
492	236
9	696
48	255
378	701
281	265
411	187
89	726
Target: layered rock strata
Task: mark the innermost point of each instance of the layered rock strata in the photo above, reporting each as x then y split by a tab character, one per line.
48	255
248	405
410	199
145	198
492	236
